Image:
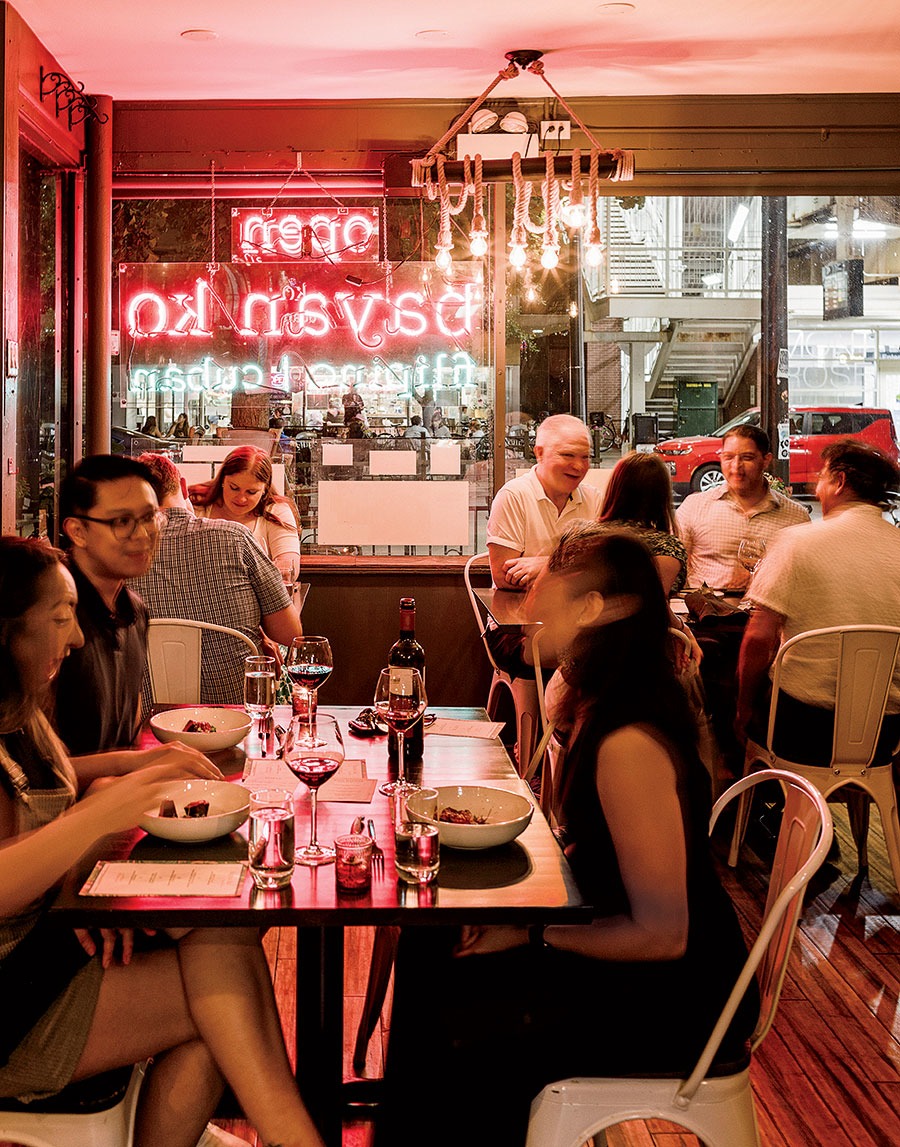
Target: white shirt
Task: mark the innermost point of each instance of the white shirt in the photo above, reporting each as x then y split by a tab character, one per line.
712	524
525	520
842	570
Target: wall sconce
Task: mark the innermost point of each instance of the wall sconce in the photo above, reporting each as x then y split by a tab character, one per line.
618	165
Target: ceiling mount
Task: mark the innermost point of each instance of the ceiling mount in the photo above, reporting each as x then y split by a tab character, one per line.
524	57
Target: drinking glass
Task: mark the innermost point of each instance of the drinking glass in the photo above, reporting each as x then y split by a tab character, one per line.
259	688
271	842
309	664
751	552
313	764
400	701
417	851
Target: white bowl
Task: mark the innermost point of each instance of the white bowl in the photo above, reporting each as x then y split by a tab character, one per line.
507	814
231	726
229	806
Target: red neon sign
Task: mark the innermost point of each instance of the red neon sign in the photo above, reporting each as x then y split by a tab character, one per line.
321	234
290	307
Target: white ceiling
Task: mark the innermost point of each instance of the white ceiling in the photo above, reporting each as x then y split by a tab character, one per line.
372	49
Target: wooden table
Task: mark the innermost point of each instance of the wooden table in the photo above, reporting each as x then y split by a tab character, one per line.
527	881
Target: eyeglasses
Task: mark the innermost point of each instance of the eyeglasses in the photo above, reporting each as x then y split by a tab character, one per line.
124	527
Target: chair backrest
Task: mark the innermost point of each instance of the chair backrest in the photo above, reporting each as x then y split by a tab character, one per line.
867	658
478	607
174	657
803	842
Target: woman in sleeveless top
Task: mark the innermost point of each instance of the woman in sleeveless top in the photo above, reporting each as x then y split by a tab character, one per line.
639	988
202	1007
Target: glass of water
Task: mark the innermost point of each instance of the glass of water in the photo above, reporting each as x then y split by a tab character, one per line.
271	846
259	687
417	851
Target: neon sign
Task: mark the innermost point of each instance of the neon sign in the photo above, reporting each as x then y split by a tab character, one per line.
337	235
397	378
294	312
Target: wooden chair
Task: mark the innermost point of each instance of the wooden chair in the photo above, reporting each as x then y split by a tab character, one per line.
95	1112
523	691
717	1108
174	657
867	660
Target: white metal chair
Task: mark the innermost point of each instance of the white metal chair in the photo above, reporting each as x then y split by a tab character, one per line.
523	691
174	657
96	1112
867	660
717	1108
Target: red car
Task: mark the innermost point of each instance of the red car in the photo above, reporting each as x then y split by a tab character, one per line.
693	461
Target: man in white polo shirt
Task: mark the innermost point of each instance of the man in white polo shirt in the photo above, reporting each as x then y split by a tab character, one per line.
530	512
842	570
528	515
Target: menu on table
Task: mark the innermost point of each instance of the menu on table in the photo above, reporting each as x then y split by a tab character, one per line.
455	727
350	783
165	878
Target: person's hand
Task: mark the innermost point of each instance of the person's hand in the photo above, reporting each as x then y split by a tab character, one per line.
519	573
177	753
110	937
272	649
119	805
479	940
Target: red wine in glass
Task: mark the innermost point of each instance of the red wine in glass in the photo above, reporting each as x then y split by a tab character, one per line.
309	675
314	764
314	771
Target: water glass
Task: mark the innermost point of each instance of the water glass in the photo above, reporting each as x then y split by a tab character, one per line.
353	862
417	851
259	687
271	842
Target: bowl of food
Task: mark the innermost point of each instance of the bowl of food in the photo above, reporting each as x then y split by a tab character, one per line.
190	812
472	816
203	727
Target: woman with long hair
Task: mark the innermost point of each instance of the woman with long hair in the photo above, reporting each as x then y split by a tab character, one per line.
639	988
151	427
199	1003
639	497
180	428
242	492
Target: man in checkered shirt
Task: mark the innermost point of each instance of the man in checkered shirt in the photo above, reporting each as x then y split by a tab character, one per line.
713	523
208	569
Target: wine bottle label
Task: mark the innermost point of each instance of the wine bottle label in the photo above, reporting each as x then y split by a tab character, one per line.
401	681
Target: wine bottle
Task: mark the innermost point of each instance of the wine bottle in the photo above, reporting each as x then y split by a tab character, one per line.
407	652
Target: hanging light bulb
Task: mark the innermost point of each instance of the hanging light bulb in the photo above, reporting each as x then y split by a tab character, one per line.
531	294
443	260
574	215
478	244
593	254
573	310
516	255
549	258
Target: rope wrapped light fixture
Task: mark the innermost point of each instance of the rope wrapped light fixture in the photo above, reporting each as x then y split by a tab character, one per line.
430	173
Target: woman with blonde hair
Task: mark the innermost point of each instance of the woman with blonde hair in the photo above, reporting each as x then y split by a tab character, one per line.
242	492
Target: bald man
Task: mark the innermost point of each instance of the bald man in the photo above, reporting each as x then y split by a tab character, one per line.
530	512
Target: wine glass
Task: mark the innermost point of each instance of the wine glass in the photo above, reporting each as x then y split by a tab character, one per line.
751	552
313	764
309	664
400	701
259	688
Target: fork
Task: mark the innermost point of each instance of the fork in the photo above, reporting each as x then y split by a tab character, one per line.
377	850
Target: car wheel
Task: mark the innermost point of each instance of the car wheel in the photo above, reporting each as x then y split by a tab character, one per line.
707	478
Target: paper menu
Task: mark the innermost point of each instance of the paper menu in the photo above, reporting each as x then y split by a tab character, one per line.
350	783
453	727
165	878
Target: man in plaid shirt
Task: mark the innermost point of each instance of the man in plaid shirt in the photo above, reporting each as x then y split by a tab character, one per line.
212	570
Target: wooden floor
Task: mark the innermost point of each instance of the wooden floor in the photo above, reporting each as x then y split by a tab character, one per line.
828	1074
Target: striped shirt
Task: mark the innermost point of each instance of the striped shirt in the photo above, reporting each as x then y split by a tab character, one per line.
213	570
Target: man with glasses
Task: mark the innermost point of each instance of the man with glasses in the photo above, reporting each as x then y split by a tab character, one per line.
111	521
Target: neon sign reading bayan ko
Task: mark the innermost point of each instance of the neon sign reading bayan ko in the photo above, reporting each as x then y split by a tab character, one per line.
297	313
